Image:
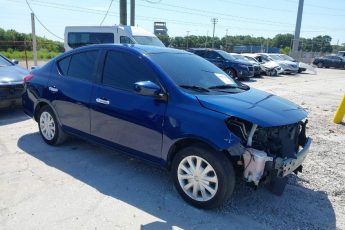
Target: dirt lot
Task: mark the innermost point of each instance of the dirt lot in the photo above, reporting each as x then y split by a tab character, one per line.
82	186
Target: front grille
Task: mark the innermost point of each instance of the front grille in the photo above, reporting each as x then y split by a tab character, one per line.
11	91
281	141
250	68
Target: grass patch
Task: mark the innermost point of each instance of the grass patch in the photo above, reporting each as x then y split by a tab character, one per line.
41	54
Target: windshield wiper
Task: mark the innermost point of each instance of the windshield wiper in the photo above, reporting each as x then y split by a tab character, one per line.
226	86
229	86
195	88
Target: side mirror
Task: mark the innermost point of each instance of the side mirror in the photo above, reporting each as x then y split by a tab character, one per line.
15	61
34	67
147	88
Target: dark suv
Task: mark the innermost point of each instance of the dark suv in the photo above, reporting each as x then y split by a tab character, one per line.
330	61
237	68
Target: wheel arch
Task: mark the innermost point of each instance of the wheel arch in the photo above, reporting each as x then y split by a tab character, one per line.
40	105
188	141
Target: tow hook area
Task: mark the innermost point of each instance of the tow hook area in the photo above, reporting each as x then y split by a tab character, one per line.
254	165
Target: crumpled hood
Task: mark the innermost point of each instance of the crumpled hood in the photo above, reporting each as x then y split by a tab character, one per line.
256	106
270	64
12	74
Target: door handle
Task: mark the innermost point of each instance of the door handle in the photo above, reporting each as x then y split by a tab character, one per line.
53	89
102	101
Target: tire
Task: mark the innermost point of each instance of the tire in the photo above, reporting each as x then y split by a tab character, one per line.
49	127
204	191
320	65
231	72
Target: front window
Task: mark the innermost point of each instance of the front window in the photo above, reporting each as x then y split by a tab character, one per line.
192	70
125	40
147	40
225	55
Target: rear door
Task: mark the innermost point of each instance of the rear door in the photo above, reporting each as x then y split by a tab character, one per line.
70	89
119	114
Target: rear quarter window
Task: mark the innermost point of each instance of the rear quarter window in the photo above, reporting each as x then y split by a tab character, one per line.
63	65
82	65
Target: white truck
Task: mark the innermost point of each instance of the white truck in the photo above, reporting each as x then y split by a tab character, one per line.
76	36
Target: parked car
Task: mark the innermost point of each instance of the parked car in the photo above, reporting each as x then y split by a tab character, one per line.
11	83
240	69
255	63
329	61
174	109
76	36
301	65
268	66
289	67
341	54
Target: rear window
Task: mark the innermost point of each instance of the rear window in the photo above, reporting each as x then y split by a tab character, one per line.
77	39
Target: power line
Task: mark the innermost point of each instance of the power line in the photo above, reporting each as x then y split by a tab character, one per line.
145	18
106	14
39	21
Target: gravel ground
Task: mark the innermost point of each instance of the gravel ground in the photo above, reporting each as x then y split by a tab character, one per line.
82	186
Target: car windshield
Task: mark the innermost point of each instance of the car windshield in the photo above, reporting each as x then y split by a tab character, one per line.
146	40
239	56
4	62
251	59
226	55
187	69
286	57
276	57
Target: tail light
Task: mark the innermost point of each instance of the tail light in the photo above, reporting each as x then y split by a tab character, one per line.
28	78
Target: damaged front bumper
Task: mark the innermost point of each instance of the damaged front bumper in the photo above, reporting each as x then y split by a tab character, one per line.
285	167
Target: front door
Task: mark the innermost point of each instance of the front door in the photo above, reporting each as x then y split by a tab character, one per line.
119	114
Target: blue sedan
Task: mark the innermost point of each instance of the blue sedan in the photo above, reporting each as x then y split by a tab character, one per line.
172	108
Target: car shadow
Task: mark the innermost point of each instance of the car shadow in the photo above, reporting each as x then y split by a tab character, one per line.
150	189
12	115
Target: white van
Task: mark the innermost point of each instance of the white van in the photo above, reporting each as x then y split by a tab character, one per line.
76	36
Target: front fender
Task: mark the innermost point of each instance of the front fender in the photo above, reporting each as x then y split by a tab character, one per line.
197	123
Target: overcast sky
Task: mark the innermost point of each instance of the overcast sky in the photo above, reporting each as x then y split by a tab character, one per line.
241	17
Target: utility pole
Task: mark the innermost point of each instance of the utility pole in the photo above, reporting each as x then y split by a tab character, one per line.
214	22
226	39
132	12
123	12
187	37
34	44
206	39
298	27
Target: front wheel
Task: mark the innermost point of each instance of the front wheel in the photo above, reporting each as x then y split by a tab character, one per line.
49	128
204	178
320	65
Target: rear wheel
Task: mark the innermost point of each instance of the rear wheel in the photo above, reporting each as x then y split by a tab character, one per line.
49	128
320	65
204	178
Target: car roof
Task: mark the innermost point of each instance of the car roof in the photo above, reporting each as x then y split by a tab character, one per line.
144	49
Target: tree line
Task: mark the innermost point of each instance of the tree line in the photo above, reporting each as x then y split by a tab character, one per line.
320	43
11	40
